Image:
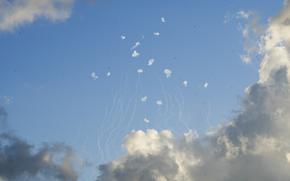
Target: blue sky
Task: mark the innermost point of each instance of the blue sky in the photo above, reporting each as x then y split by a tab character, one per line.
46	69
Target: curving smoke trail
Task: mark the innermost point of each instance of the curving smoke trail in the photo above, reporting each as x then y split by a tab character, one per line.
254	146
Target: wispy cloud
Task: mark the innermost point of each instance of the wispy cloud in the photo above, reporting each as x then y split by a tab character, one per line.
20	12
251	31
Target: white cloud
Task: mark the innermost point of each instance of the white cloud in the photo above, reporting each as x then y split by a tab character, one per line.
251	31
109	74
190	136
276	44
19	12
205	85
157	157
163	20
241	150
145	143
123	37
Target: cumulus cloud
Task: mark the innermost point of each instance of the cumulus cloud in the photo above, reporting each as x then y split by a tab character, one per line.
19	161
276	44
14	13
254	145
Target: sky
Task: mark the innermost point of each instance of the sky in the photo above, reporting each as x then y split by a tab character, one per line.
76	73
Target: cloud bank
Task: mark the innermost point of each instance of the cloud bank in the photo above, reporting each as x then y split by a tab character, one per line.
20	160
254	146
14	13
